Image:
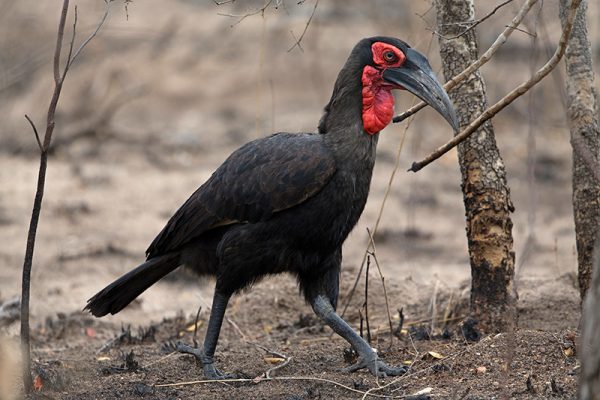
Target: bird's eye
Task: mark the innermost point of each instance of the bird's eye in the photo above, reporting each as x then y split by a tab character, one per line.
389	56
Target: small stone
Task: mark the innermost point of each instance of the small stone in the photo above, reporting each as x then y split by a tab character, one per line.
480	370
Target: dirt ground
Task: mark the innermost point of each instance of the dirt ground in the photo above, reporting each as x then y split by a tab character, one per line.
153	106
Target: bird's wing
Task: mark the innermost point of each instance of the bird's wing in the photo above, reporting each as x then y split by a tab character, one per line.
259	179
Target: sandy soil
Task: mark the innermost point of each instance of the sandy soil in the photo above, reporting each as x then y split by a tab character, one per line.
151	109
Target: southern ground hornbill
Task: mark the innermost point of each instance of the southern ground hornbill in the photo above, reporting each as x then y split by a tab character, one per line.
287	202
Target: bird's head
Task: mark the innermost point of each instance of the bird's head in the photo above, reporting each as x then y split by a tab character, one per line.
386	64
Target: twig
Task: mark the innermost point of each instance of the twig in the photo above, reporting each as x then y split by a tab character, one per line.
366	303
275	378
196	326
261	347
237	329
39	194
278	366
500	40
163	358
244	16
387	304
71	44
37	136
474	23
37	206
509	98
89	38
286	361
305	29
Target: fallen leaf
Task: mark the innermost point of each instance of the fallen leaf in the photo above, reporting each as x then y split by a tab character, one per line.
435	355
193	326
103	358
568	352
38	384
427	390
274	360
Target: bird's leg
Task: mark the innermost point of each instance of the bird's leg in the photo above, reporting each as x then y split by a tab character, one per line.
367	356
206	356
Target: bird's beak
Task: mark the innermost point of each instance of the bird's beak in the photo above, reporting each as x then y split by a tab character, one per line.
416	76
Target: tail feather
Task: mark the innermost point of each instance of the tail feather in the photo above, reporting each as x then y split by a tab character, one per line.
124	290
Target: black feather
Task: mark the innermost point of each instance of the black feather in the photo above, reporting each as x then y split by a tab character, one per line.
124	290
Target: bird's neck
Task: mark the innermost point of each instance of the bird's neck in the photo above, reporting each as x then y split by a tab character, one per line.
342	124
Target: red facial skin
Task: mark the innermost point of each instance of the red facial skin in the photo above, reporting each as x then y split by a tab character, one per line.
378	102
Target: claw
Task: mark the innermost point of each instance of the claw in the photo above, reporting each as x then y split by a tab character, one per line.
210	371
376	367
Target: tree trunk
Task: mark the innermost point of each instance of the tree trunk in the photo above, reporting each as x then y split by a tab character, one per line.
485	191
589	385
585	139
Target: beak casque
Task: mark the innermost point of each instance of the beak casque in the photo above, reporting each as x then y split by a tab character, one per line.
416	76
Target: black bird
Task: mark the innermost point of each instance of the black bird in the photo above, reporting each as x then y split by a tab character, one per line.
287	202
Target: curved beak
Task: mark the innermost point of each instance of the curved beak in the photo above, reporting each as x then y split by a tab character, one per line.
416	76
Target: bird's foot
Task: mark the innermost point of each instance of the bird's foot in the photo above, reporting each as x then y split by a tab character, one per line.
208	366
377	367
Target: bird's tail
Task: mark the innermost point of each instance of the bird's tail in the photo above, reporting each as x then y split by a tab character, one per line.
124	290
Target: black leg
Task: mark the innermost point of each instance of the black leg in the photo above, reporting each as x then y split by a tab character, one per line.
367	357
205	356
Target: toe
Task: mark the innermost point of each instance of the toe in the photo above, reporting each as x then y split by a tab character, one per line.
393	371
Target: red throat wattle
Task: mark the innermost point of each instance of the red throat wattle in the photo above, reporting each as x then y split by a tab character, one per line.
378	101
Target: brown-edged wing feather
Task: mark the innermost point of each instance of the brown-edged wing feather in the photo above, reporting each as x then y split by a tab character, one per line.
259	179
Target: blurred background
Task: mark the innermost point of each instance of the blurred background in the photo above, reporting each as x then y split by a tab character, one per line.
168	89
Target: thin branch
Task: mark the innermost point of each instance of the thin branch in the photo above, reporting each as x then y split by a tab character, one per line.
276	378
196	326
37	206
305	29
89	38
474	23
71	45
500	40
387	304
249	14
509	98
37	136
59	40
286	359
366	303
39	195
278	366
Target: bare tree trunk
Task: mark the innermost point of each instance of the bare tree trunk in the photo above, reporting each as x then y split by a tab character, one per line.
582	112
589	385
485	191
585	139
